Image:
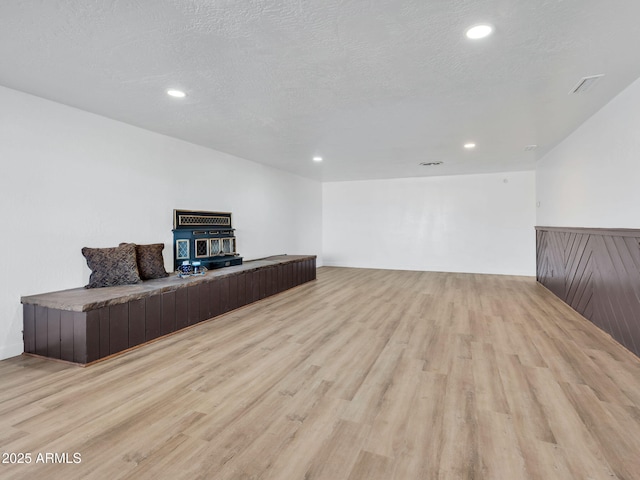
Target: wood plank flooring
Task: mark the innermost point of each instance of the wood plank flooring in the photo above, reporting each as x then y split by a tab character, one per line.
362	374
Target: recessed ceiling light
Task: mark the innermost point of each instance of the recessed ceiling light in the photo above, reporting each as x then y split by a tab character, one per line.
469	145
176	93
479	31
317	159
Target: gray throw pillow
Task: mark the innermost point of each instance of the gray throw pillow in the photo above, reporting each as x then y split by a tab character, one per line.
150	260
112	266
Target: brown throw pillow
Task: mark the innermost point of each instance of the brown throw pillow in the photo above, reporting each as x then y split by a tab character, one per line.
112	266
150	261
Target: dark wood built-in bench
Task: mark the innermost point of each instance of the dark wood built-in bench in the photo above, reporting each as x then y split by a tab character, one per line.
85	325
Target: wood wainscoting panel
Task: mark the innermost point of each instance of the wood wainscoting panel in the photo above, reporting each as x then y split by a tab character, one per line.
193	304
182	302
118	328
92	347
153	319
168	322
103	321
596	272
137	328
29	328
66	335
53	333
41	335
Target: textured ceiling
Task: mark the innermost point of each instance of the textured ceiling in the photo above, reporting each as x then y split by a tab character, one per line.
375	87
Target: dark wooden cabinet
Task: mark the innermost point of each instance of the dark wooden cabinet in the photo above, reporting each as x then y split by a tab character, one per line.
82	326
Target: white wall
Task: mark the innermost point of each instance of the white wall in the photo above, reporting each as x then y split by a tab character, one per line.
71	179
592	179
469	223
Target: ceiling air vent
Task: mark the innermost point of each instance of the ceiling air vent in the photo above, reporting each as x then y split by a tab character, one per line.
530	148
430	164
585	84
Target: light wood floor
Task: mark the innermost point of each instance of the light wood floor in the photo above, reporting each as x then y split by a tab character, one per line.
362	374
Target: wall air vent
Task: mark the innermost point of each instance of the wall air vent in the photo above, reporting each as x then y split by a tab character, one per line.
585	84
430	164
